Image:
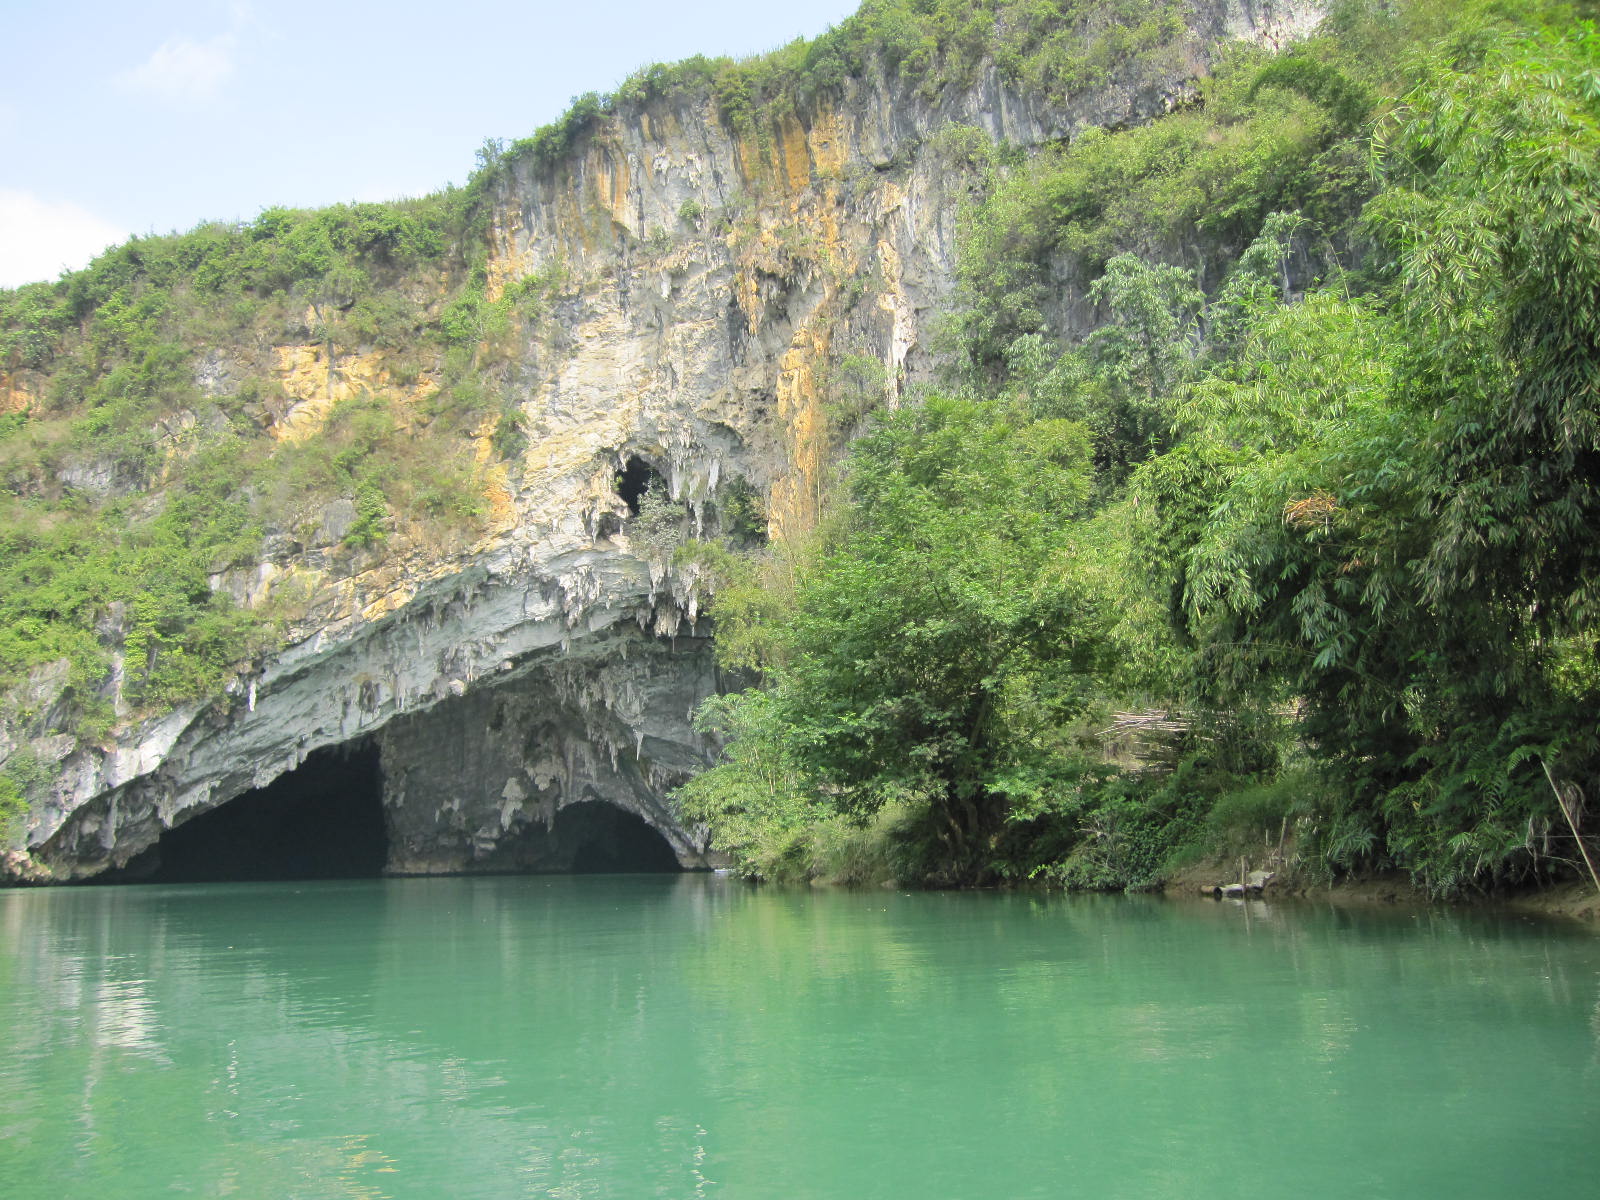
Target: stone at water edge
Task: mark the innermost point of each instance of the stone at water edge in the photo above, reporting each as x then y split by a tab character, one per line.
18	866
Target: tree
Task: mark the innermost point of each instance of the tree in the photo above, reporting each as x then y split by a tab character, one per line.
1408	550
916	654
1146	345
1490	215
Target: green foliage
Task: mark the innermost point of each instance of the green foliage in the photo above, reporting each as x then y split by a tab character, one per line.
1266	134
663	524
741	513
461	323
131	487
371	513
556	141
1338	511
755	801
853	386
13	811
1396	485
510	437
390	475
1259	820
1349	104
1144	348
912	674
32	319
67	570
1121	845
755	599
1490	211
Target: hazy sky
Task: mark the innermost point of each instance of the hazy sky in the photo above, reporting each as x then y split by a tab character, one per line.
119	118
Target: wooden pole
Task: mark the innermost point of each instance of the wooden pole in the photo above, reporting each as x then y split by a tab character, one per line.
1567	806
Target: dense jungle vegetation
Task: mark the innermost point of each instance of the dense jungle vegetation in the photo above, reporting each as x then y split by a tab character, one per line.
1290	556
1309	514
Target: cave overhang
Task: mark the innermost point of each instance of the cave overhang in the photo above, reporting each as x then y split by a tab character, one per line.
539	690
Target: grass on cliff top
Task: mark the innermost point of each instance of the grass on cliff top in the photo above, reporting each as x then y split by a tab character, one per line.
1055	48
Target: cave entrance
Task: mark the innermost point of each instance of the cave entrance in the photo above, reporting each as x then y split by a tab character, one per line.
634	480
323	820
606	840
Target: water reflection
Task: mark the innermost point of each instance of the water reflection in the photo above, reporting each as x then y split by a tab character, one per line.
680	1036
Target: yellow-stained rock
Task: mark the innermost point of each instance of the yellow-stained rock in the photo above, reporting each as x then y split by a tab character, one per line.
510	255
829	142
612	178
796	497
14	396
316	384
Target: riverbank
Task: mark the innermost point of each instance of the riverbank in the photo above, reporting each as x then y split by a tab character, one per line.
1573	899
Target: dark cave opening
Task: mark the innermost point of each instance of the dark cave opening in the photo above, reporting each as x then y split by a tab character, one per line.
323	820
606	840
634	480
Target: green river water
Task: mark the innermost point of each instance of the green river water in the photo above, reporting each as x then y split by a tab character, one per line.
681	1036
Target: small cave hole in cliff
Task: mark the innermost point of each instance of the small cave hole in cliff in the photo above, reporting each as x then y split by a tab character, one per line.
323	820
635	479
607	840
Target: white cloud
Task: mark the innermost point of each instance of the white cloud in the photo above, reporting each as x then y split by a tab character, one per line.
184	70
38	239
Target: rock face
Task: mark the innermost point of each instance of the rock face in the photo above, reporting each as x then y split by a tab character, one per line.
700	287
480	782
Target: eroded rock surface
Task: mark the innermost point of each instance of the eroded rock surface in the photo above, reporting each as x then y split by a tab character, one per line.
481	782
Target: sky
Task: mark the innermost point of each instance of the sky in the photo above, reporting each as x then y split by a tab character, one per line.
119	119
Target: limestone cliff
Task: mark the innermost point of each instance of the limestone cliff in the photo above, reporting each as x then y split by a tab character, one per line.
699	286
